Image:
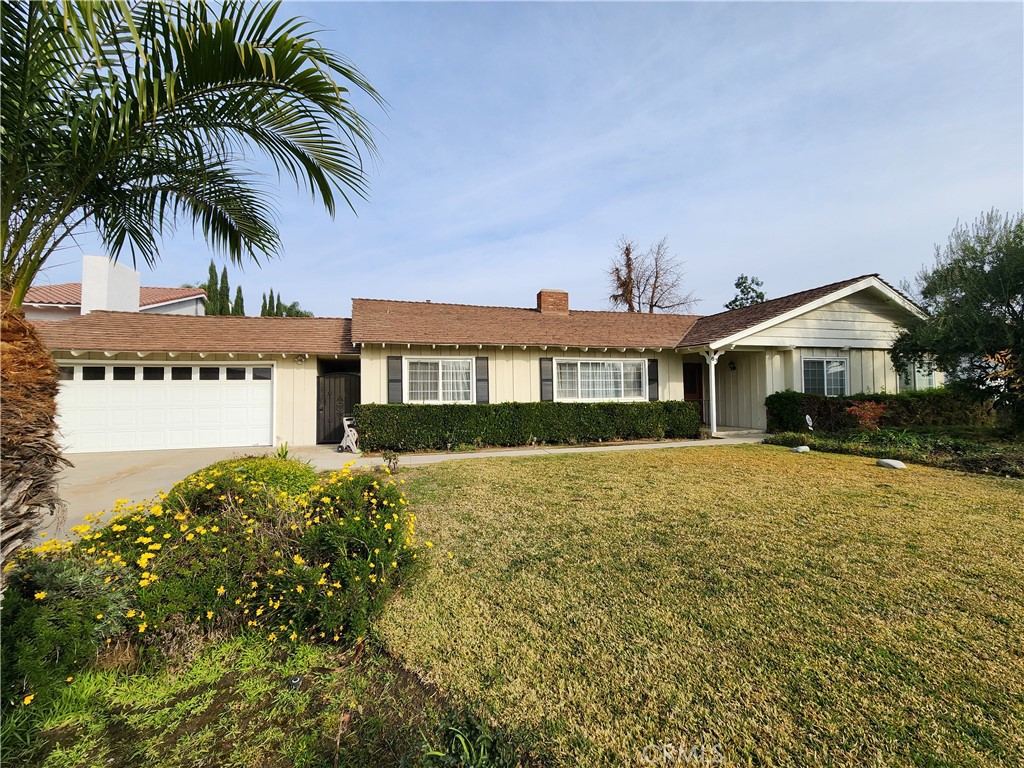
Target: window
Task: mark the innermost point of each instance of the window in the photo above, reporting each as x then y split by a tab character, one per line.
93	373
207	373
234	374
825	376
67	373
441	381
917	378
152	373
600	380
261	374
181	373
124	373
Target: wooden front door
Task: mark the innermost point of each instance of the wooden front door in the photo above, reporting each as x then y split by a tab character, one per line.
693	385
336	394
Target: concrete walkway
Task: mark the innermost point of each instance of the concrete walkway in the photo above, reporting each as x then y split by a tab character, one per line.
98	479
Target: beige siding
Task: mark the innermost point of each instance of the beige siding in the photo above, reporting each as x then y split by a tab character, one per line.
513	372
861	320
870	370
741	393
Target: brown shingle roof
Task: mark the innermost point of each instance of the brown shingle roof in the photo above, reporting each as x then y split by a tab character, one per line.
412	322
71	294
151	332
713	328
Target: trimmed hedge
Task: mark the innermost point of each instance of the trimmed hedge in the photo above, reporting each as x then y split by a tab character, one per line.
924	408
445	427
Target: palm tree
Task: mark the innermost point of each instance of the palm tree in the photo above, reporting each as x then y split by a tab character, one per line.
133	117
130	117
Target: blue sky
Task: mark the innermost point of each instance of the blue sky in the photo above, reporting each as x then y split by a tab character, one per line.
800	142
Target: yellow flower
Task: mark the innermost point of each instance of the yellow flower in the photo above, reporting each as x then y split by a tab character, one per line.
220	591
69	679
40	595
299	589
298	560
142	627
28	699
209	614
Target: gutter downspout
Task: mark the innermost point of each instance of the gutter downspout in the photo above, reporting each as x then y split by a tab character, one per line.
711	356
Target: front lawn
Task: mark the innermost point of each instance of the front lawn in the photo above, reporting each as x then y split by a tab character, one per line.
743	604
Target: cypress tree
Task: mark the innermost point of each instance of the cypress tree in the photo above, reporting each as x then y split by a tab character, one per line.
224	299
271	306
238	309
212	293
279	309
263	308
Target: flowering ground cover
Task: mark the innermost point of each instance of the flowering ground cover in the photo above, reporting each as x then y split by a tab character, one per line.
740	605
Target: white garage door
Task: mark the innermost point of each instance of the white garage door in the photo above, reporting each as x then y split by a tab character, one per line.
120	407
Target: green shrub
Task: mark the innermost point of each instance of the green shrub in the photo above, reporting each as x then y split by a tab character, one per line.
466	741
55	616
924	408
447	427
315	564
240	481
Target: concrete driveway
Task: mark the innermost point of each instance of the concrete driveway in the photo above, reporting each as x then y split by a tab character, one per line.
98	479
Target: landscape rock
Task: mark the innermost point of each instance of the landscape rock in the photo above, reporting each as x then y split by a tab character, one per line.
891	464
800	449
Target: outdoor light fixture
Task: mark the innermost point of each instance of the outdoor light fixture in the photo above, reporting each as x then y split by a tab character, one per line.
732	365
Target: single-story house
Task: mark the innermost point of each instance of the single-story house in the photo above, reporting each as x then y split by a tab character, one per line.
135	380
108	285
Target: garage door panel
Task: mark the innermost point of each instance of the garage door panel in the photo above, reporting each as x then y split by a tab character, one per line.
149	414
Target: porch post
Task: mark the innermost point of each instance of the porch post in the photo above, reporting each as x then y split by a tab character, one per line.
712	358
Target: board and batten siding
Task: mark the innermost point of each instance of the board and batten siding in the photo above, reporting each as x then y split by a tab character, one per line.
513	373
294	385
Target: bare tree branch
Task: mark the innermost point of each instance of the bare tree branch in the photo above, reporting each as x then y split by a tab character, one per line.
651	281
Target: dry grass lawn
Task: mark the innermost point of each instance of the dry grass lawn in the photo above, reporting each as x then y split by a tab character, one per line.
760	606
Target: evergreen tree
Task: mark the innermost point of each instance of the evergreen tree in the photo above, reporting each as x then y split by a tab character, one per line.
238	309
279	308
748	292
224	299
271	306
212	294
263	308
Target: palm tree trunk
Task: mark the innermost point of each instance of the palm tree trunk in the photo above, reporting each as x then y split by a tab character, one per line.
31	455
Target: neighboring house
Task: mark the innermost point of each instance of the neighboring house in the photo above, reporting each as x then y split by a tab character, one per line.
107	285
146	381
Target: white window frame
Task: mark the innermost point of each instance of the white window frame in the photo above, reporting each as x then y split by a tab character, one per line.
642	398
472	380
824	363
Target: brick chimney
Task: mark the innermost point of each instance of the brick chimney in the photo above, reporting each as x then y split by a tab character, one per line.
552	302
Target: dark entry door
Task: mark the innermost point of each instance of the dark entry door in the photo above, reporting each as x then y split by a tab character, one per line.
693	385
336	393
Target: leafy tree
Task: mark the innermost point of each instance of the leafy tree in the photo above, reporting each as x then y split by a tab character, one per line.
238	308
130	118
747	292
651	281
275	307
974	301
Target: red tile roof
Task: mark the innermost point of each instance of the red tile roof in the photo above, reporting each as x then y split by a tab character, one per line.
152	332
713	328
71	294
413	322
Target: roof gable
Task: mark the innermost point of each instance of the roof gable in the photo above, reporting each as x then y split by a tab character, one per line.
733	325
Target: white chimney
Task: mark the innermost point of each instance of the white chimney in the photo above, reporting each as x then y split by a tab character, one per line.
109	285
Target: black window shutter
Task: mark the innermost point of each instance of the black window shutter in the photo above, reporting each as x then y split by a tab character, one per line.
394	379
652	379
547	379
482	395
